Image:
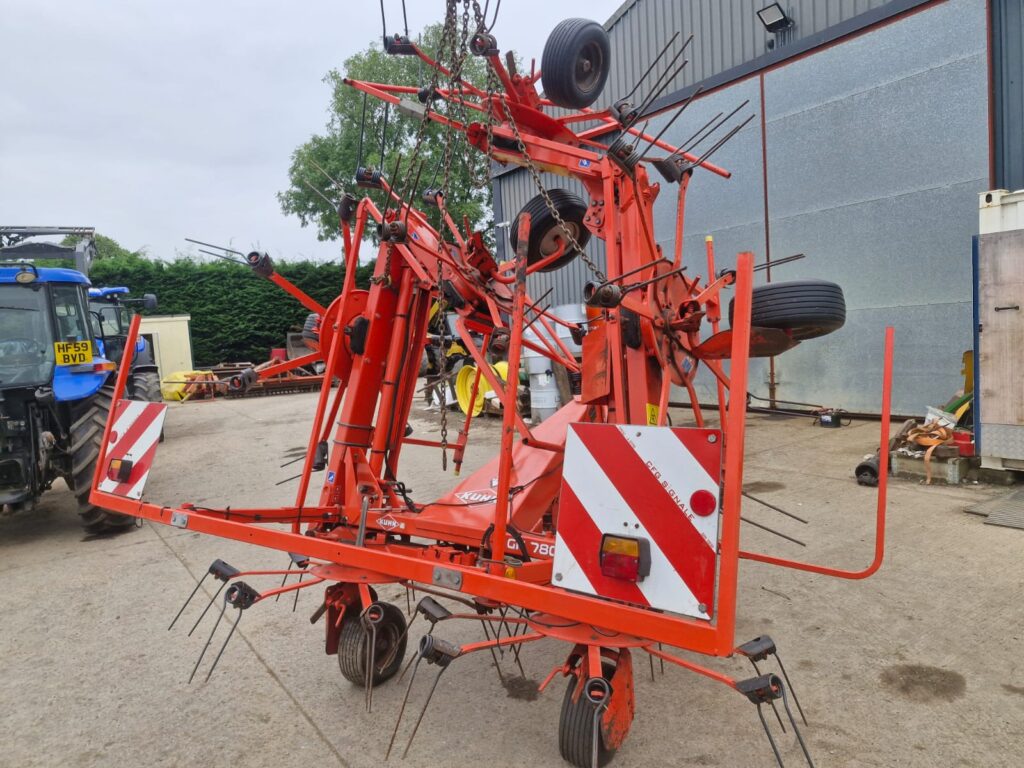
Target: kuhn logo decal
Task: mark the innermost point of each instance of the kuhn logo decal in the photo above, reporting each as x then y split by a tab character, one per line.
477	497
389	523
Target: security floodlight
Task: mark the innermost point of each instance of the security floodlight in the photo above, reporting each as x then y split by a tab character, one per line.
774	18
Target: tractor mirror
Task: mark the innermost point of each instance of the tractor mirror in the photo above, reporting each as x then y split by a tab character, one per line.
149	301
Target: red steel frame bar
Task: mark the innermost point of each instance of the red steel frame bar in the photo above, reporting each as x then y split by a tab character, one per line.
712	638
883	482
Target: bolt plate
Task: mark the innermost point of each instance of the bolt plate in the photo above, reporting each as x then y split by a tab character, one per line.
446	577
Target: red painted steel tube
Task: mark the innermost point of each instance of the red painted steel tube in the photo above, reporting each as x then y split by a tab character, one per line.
694	635
734	441
514	640
119	384
318	417
289	365
717	676
602	130
709	245
883	483
503	504
301	296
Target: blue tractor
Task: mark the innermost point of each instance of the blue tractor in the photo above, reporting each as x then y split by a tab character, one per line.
60	342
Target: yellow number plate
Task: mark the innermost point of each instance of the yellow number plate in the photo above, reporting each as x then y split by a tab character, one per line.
73	352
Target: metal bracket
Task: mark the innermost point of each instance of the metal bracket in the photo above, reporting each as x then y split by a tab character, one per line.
446	577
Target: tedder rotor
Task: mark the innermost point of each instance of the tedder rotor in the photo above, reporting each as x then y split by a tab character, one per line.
603	527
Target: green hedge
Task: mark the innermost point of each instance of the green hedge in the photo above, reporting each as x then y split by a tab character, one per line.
236	315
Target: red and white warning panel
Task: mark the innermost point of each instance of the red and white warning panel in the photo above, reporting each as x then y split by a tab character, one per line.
638	515
131	447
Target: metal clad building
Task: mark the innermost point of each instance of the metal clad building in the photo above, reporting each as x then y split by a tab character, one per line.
870	142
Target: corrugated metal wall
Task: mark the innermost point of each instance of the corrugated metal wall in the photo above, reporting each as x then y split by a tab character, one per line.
876	149
727	33
1008	73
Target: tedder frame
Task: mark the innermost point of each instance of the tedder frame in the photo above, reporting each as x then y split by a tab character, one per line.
491	542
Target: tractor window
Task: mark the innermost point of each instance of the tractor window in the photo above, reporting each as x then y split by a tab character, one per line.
112	319
26	343
72	323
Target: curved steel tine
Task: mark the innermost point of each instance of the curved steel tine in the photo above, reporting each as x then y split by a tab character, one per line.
401	711
790	686
225	645
771	739
208	640
207	608
423	711
774	709
187	601
792	721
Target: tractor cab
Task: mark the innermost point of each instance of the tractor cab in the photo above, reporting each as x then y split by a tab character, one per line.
111	313
47	337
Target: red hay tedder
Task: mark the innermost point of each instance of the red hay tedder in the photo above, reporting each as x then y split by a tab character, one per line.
602	527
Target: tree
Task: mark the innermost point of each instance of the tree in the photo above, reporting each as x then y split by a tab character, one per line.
107	247
349	141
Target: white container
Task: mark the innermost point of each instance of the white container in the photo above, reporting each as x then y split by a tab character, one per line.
571	313
1000	211
543	396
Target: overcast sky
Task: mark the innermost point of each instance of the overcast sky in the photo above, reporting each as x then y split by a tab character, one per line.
156	121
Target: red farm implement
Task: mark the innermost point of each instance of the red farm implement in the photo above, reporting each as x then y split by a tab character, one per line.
603	527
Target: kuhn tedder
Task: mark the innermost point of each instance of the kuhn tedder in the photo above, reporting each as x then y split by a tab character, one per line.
602	527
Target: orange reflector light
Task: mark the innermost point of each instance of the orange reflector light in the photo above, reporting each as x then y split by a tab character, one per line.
120	470
100	367
624	557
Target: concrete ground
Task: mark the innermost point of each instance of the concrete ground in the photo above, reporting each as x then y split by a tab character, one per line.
918	666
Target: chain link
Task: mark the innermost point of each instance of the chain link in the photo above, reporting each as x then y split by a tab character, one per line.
535	175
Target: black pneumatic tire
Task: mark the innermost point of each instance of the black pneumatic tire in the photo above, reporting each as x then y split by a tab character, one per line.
310	328
806	309
575	64
576	727
146	387
89	418
544	228
391	635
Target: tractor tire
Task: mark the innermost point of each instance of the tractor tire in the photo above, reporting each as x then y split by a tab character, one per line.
806	309
146	387
576	727
575	63
544	228
389	652
88	421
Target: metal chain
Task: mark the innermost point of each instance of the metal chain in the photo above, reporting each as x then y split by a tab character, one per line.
535	174
443	366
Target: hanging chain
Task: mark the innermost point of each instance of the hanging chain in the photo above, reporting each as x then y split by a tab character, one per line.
442	344
535	174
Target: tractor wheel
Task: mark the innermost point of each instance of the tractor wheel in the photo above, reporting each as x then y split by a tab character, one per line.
575	63
806	309
389	650
146	387
544	229
576	726
88	420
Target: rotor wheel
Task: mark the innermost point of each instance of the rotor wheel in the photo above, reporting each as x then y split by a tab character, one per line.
575	63
389	649
805	309
545	230
576	726
89	419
